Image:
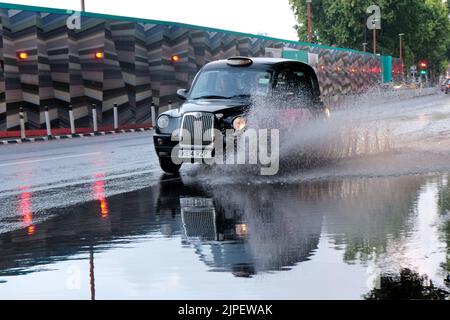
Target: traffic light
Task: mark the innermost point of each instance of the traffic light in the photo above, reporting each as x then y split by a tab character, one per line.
423	67
175	58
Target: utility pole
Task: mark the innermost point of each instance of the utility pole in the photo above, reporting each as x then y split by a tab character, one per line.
308	3
374	36
83	6
401	50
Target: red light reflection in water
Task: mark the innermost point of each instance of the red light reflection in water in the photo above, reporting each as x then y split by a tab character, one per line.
25	210
99	193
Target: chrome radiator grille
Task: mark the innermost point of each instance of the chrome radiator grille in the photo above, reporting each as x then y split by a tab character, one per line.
199	218
197	129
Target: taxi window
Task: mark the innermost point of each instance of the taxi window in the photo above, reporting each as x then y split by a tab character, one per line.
231	82
293	84
262	84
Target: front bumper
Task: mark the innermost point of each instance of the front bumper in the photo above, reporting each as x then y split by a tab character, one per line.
164	144
164	148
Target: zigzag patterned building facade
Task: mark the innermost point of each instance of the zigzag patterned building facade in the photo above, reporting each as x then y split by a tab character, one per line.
61	68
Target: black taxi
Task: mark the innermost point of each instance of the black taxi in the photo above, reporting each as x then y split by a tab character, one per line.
222	95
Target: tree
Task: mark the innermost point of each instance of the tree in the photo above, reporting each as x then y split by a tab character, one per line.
425	23
406	286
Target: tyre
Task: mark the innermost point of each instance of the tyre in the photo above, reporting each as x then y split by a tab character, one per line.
168	166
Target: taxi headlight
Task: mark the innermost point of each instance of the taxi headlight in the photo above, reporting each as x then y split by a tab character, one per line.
239	123
163	121
327	113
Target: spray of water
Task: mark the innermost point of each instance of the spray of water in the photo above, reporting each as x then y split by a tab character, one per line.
362	130
308	138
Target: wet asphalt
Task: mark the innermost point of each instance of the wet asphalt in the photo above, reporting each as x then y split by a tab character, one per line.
97	219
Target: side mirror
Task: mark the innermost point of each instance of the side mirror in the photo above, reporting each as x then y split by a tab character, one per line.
182	94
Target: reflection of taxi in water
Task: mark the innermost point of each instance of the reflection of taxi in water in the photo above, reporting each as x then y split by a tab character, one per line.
230	238
222	95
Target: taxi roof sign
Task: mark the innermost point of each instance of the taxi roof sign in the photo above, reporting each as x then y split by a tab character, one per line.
239	61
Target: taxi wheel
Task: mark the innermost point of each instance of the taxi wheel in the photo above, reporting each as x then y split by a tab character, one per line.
168	166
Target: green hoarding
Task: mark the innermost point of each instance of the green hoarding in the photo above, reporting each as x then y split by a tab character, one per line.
298	55
386	65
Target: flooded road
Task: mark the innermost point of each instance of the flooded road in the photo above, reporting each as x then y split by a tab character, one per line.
177	240
110	225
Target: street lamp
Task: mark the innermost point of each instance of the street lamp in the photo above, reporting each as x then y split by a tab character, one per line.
401	50
82	6
308	3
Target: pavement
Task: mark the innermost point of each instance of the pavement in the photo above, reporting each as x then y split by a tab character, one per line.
71	136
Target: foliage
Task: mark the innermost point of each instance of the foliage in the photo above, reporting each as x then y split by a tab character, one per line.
407	285
425	24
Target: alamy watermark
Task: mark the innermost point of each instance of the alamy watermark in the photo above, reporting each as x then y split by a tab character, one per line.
73	22
250	147
73	281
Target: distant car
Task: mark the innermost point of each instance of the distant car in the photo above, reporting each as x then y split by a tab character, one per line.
221	98
445	86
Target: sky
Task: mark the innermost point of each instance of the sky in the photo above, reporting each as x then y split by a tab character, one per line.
272	17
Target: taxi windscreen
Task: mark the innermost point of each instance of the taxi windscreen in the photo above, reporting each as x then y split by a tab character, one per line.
231	83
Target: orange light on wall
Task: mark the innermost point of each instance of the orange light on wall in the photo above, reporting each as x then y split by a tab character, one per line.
99	55
22	56
175	58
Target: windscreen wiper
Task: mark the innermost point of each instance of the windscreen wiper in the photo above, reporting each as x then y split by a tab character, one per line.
222	97
239	96
211	97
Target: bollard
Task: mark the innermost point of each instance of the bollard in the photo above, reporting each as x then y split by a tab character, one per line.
47	122
22	124
116	117
71	120
170	104
94	117
153	115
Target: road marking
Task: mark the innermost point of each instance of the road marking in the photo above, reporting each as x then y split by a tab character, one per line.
48	159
